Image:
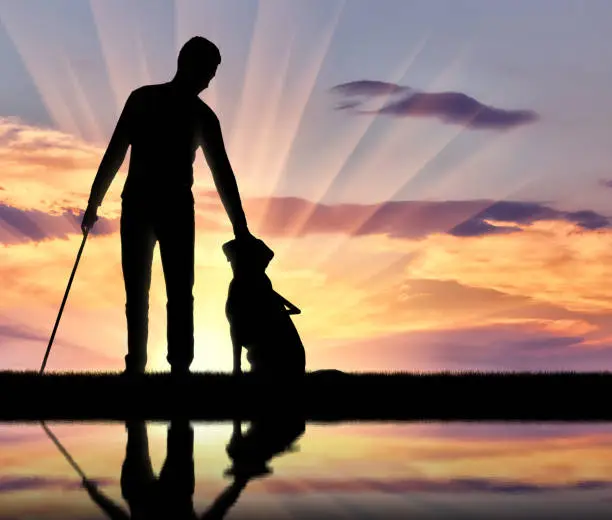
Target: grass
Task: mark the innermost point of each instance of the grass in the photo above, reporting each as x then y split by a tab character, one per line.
389	396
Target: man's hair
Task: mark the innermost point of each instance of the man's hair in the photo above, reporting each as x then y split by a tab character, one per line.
198	52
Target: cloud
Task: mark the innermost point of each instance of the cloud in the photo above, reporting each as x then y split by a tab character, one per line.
369	88
450	107
396	219
46	169
14	331
402	486
417	219
22	346
524	213
11	484
529	212
517	345
587	219
548	261
606	182
476	227
19	225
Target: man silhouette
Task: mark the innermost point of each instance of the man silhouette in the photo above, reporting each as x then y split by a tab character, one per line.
165	124
168	496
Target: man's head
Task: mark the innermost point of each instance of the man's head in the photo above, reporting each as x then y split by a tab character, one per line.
197	64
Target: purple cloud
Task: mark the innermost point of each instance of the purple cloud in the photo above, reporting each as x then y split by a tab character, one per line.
476	227
16	331
606	182
488	348
20	332
399	219
25	225
587	219
417	219
369	88
524	213
11	484
450	107
402	486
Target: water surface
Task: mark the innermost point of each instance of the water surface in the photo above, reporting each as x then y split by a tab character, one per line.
411	470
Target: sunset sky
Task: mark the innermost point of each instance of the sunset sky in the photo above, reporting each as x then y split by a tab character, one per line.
434	177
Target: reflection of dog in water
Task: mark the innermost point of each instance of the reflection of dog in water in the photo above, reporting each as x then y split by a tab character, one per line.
250	453
259	317
265	439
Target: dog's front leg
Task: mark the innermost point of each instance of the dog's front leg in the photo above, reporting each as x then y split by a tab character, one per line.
237	348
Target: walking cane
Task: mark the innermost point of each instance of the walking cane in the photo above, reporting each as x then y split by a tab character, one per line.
42	368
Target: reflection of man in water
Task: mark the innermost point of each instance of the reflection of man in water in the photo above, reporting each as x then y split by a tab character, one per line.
171	495
168	496
165	124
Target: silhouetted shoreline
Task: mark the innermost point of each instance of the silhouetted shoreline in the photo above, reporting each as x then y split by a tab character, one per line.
333	396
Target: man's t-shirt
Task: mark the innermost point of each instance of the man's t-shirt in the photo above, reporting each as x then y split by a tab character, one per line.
165	126
165	130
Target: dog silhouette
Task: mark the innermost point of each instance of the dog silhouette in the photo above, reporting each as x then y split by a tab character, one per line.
259	317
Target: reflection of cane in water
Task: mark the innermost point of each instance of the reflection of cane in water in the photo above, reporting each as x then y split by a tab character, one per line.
63	451
42	367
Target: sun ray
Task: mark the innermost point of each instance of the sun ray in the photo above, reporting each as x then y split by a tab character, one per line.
264	55
124	56
370	166
145	68
94	132
40	60
290	125
389	271
386	271
258	165
359	224
430	156
336	161
197	18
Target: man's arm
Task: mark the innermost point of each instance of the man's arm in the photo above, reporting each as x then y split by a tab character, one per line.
111	162
223	175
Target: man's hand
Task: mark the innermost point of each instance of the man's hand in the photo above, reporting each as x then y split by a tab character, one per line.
89	218
243	233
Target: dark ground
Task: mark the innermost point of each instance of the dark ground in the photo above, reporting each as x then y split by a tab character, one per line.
326	396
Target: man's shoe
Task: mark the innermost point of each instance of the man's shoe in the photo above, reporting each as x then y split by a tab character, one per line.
132	372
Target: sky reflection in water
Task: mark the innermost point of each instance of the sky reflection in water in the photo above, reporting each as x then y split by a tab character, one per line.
420	470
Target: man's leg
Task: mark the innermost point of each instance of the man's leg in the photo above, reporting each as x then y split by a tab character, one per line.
137	475
176	233
137	245
177	476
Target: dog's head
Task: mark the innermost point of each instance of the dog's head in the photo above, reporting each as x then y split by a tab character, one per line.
250	255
